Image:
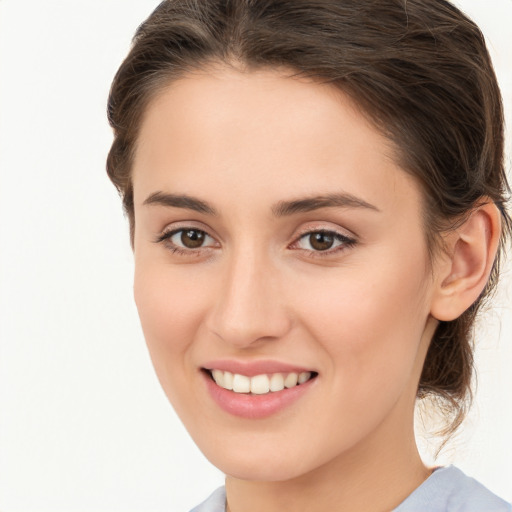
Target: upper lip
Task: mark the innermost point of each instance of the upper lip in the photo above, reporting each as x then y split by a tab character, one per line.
252	368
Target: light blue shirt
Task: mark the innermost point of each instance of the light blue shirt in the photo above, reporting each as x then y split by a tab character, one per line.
447	489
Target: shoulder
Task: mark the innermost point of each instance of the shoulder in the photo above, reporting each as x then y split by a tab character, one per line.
215	503
448	489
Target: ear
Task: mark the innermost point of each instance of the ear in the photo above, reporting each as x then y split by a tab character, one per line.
464	270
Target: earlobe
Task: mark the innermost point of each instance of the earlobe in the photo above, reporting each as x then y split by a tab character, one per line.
464	270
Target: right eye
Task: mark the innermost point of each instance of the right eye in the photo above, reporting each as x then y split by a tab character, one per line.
185	240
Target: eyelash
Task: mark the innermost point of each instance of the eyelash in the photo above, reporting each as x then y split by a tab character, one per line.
165	238
345	242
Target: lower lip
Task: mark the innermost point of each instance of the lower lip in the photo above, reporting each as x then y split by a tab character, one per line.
250	406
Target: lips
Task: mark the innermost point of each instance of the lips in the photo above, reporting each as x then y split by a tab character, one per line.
256	389
252	368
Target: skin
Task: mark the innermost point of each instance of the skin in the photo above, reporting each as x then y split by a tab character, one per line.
360	314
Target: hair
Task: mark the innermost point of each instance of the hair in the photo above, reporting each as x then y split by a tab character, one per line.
418	69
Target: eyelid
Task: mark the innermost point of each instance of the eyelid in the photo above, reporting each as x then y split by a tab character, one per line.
325	228
167	235
164	238
177	226
348	240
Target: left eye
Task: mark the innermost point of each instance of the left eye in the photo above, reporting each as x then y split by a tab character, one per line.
319	241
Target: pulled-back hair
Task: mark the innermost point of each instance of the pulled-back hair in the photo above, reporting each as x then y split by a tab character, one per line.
418	69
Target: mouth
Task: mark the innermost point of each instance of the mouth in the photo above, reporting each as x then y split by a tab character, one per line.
257	389
263	384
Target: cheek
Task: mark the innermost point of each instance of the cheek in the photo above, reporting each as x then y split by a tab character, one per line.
169	308
370	320
368	328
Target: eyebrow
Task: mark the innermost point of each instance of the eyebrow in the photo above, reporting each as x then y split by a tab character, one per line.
180	201
280	209
308	204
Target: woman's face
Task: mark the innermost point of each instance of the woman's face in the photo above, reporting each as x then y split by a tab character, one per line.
277	239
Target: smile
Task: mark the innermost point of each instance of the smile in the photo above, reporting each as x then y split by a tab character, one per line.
259	384
266	391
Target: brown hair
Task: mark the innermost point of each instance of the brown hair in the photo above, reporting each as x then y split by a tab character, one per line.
420	71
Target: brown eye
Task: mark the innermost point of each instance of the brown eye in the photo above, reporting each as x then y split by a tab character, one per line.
324	241
187	240
192	238
321	241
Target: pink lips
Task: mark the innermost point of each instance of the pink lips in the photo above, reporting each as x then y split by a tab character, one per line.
251	406
252	368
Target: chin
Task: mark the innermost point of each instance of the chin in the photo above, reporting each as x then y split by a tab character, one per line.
259	471
260	465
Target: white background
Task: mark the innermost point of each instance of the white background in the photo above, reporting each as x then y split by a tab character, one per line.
84	425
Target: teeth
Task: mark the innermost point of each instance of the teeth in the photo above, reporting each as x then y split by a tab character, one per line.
228	380
303	377
259	384
241	383
291	380
218	377
276	382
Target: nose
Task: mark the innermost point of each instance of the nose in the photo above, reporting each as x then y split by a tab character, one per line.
250	308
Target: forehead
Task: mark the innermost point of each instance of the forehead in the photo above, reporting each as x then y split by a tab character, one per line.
261	132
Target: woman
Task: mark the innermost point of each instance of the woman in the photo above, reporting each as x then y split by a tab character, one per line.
316	196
